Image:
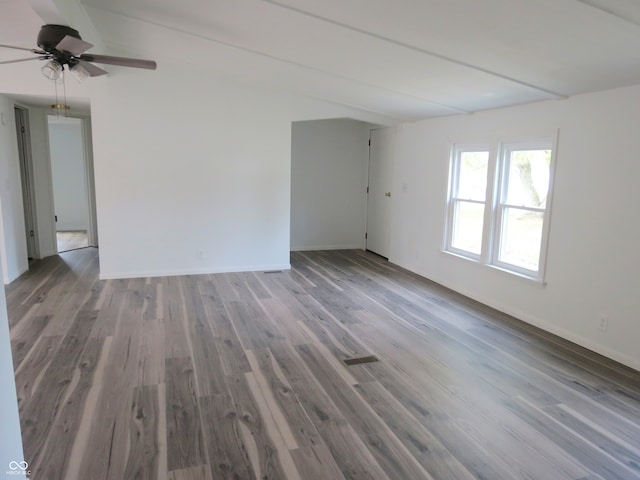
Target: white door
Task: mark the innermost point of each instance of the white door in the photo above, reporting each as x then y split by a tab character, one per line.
381	156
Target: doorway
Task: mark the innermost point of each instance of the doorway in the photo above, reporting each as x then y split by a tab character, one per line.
26	177
381	157
71	189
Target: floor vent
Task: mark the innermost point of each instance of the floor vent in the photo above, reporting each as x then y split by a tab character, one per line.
359	360
274	271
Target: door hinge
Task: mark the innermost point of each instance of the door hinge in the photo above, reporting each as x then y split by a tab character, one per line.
32	233
369	142
365	235
56	217
367	189
23	130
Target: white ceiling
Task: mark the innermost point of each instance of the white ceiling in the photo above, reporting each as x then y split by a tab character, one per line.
402	59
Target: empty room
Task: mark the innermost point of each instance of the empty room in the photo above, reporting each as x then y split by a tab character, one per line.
319	240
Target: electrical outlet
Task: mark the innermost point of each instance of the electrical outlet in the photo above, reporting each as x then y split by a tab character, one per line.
604	323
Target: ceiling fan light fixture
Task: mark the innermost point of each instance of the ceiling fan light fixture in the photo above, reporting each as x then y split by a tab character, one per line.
79	72
59	109
52	70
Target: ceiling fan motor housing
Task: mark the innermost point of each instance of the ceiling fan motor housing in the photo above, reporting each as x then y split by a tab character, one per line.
51	35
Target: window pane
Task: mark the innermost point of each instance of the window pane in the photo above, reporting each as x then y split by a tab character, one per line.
467	227
472	177
521	238
528	181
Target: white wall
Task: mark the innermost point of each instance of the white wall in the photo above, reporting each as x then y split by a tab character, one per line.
68	173
329	164
192	173
10	436
200	186
593	257
13	243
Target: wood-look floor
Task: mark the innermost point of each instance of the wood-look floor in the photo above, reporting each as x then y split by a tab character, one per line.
71	240
240	376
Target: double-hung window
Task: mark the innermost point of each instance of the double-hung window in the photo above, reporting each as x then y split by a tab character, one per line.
468	199
499	204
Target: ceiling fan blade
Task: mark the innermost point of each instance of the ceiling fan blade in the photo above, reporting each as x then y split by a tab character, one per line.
121	61
73	45
92	69
17	48
21	60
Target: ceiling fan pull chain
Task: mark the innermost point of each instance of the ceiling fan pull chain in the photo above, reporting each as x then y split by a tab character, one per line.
64	90
55	86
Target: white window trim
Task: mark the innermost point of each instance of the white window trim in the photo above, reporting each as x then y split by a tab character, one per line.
494	208
456	150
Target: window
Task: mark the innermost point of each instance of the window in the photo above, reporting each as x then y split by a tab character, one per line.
499	202
468	199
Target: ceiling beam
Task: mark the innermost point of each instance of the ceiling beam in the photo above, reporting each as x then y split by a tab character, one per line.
452	109
626	11
544	91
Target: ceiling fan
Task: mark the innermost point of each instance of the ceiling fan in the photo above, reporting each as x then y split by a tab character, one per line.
62	46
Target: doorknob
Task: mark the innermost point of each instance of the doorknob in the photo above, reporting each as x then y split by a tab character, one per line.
388	194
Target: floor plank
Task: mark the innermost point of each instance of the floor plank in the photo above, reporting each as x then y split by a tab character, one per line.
143	461
259	443
228	456
184	428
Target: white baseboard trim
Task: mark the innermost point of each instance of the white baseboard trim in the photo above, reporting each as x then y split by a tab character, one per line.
308	248
193	271
21	269
587	343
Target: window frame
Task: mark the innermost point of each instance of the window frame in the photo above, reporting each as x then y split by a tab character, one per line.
495	203
453	199
501	205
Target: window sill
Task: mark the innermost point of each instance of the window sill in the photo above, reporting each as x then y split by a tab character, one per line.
527	278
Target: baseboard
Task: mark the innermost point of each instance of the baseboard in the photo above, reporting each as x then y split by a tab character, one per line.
308	248
573	337
193	271
551	328
587	343
21	269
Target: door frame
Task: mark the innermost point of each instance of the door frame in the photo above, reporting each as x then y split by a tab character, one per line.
25	158
391	174
89	178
